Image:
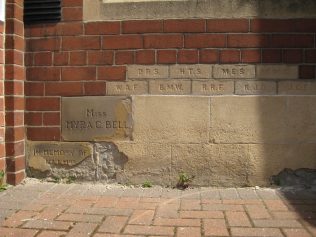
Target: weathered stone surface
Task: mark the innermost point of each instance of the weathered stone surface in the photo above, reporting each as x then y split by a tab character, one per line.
213	87
146	162
131	9
147	72
277	71
75	161
255	88
234	71
303	177
127	88
212	164
191	71
170	87
297	88
58	153
170	119
96	118
263	119
270	159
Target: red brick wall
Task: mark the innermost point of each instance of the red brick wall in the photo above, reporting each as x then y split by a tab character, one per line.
14	92
73	58
2	124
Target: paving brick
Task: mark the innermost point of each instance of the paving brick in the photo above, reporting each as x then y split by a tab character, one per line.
48	233
222	207
188	232
106	202
17	232
168	211
142	217
256	232
190	205
176	222
257	212
109	211
118	235
18	218
113	224
149	230
296	233
51	225
289	215
215	227
201	214
276	223
80	218
49	213
237	218
82	230
276	205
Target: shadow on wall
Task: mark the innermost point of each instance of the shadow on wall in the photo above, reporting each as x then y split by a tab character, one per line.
287	135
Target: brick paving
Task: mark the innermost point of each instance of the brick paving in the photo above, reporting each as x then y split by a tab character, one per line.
37	209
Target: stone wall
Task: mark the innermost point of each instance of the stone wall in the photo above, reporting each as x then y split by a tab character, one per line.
227	98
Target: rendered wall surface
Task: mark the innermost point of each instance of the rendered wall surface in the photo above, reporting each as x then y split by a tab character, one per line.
226	96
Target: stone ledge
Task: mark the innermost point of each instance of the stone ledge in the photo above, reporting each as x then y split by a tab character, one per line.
98	10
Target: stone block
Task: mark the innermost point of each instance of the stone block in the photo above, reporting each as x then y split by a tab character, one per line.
191	71
234	71
170	87
212	87
171	119
255	88
297	88
211	164
147	72
277	72
263	119
127	88
96	118
146	162
270	159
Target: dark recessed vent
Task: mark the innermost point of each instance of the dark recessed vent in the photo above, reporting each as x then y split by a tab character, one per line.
42	11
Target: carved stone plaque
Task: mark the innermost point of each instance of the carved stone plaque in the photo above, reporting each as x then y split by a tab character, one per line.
103	118
234	71
42	154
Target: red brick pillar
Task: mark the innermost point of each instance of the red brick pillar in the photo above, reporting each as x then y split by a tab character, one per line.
14	92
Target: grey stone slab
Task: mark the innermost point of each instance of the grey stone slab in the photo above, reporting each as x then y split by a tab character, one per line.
127	88
131	9
147	72
96	118
297	87
247	193
42	154
200	71
255	88
170	87
212	87
235	71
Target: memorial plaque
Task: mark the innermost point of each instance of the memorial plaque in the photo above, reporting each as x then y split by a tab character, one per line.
95	118
213	87
127	88
191	71
234	71
58	153
170	87
297	88
255	88
147	72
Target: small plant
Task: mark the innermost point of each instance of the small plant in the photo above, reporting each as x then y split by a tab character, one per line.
2	185
70	179
147	184
184	180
